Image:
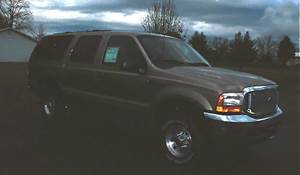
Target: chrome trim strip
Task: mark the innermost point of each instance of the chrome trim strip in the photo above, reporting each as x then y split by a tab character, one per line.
242	118
249	90
258	88
108	99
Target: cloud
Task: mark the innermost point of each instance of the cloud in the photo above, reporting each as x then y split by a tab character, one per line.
39	4
218	29
57	15
214	17
87	25
249	3
281	20
133	18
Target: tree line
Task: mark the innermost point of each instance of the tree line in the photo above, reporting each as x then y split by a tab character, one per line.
162	18
243	50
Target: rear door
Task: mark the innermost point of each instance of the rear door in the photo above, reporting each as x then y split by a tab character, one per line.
48	56
79	70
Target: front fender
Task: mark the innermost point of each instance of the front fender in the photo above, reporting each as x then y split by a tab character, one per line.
184	94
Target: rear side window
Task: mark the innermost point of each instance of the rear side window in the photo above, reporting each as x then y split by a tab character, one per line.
52	48
85	49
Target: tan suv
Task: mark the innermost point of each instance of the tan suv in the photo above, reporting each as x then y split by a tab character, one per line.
189	102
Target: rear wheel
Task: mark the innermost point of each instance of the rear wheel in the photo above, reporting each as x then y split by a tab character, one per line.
52	105
49	106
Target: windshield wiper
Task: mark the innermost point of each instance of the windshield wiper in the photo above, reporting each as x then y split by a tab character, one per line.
181	63
171	61
198	64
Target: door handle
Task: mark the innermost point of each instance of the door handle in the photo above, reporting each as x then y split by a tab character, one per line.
71	52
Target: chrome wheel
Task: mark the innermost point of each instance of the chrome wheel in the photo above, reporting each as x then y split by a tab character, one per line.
49	107
178	140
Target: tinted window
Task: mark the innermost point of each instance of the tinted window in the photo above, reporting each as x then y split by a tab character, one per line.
165	52
121	48
52	48
85	49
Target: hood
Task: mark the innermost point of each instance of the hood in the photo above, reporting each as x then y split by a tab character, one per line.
223	79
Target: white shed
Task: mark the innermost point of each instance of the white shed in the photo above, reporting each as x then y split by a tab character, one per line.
15	46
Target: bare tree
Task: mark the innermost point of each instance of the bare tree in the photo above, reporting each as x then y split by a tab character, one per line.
266	48
163	19
39	32
3	22
16	13
220	43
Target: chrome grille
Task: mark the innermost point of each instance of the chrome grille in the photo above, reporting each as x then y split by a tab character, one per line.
260	101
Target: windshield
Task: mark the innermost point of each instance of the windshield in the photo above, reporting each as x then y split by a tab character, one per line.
166	52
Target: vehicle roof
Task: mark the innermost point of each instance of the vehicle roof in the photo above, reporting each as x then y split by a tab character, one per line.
101	32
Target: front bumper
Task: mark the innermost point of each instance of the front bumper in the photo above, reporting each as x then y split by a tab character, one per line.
241	129
242	118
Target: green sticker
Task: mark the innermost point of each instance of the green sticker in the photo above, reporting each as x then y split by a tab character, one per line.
111	55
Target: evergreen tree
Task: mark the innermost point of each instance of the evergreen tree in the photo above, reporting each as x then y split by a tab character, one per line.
236	47
219	49
199	42
286	50
249	49
242	49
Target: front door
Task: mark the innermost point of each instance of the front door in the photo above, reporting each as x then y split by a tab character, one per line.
126	88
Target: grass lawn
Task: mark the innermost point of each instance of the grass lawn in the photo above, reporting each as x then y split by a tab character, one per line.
20	129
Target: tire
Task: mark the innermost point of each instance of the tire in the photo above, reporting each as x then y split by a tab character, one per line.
177	141
180	140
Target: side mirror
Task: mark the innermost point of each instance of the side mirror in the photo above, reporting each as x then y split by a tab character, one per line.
133	66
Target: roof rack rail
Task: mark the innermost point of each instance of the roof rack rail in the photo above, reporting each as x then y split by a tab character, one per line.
97	30
100	30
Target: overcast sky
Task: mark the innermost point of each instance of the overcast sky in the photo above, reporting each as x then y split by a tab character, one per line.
213	17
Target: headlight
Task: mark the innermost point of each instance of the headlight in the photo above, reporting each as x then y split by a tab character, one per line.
230	103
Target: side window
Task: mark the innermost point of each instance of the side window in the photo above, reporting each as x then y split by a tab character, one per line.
121	48
52	48
85	49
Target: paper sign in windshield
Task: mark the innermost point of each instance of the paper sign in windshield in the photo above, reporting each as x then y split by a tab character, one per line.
111	55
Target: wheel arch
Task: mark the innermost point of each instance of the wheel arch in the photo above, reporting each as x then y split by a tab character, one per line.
184	97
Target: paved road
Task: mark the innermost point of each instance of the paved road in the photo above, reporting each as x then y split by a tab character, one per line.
29	146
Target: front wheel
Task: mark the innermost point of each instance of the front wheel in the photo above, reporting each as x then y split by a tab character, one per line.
182	139
177	141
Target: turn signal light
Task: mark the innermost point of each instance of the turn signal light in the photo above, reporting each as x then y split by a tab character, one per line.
230	103
222	109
